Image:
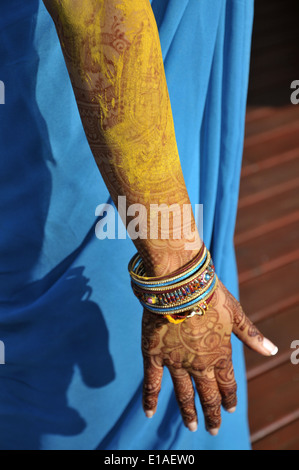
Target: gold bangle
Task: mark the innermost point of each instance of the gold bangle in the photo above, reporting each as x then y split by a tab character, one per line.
180	284
147	280
141	279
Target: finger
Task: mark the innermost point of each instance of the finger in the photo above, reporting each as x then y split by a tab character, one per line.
247	332
153	372
210	399
224	373
184	393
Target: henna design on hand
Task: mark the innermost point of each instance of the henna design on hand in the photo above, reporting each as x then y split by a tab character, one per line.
198	349
241	321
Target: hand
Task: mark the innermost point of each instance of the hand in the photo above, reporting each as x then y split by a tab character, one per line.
198	349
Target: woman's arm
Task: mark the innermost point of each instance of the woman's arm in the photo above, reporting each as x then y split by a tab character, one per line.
113	54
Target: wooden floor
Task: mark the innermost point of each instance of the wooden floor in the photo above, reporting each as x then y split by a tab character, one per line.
267	232
268	258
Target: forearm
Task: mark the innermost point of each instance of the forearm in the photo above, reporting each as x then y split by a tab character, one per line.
113	54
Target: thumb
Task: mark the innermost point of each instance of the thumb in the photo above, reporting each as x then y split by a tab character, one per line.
247	332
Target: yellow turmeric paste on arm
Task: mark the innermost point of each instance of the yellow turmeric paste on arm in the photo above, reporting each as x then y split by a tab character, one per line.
113	55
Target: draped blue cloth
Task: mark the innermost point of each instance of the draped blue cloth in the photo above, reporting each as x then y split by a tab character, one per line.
70	324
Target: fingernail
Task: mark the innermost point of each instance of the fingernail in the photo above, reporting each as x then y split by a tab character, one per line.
192	426
149	414
232	410
270	347
214	432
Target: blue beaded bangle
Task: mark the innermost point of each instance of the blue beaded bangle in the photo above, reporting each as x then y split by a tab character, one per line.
167	311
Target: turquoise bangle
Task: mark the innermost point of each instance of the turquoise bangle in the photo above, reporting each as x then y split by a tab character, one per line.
169	283
167	311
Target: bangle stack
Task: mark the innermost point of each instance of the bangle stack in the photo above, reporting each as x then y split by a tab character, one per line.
181	295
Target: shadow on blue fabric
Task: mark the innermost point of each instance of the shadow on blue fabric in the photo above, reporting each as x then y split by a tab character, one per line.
34	325
44	379
23	214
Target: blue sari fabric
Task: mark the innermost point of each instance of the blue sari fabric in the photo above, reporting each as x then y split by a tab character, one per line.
70	323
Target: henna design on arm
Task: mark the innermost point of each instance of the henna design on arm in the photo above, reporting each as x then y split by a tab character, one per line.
113	55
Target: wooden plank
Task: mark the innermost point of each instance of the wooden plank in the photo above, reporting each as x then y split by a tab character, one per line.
269	163
256	113
266	228
274	145
275	308
275	426
267	211
268	364
281	329
286	438
269	118
272	397
278	132
265	191
271	265
258	252
259	294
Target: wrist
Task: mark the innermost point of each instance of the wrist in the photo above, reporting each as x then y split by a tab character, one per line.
162	256
167	257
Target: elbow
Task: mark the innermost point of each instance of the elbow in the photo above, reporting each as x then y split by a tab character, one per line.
52	6
70	12
59	8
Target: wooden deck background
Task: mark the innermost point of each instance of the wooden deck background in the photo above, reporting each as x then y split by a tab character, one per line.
267	231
